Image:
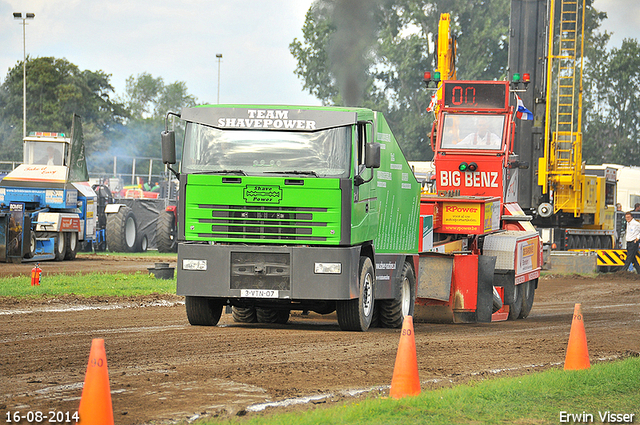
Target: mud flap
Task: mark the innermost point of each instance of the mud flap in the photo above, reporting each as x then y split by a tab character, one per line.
486	270
506	279
434	277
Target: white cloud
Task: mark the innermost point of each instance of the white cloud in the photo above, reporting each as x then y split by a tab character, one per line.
623	19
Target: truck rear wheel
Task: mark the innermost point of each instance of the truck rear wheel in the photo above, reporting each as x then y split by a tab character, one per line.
121	230
60	249
272	315
516	307
72	246
528	293
244	314
33	244
393	312
166	232
203	311
356	314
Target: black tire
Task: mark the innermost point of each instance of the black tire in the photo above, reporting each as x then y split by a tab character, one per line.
244	314
375	320
166	232
272	315
72	246
202	311
597	242
121	230
143	244
528	293
60	248
393	312
357	314
32	245
516	307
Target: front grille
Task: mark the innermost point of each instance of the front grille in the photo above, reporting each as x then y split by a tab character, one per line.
260	270
263	222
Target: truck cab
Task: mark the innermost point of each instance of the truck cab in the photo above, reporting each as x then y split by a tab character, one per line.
294	208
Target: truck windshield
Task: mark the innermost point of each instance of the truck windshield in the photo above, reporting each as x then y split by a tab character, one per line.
323	153
462	131
44	153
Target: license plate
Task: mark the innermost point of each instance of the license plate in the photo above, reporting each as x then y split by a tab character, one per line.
259	293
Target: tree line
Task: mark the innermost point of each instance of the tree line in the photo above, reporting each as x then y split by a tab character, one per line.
369	53
126	125
385	67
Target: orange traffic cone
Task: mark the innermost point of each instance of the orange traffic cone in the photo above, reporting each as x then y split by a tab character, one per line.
577	352
95	404
405	372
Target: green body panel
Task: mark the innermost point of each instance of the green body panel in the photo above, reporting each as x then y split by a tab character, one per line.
266	210
262	209
398	194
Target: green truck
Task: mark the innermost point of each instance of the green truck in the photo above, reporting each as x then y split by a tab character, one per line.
287	208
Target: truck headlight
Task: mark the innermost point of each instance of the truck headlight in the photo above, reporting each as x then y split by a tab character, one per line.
328	268
194	264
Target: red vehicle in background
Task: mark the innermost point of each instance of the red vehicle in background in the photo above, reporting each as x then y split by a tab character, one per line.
480	257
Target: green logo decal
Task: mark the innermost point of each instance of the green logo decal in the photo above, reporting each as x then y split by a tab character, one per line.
262	194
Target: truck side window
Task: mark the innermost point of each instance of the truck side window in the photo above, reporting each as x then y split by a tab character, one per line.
364	136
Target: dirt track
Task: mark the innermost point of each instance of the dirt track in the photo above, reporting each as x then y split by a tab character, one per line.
163	371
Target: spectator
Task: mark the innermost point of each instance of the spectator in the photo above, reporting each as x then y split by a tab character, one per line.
632	237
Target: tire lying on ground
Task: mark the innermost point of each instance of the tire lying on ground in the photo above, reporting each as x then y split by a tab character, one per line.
121	230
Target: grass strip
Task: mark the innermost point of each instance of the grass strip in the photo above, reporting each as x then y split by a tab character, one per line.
86	285
538	398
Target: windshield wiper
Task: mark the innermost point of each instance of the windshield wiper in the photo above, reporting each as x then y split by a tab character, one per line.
222	172
311	173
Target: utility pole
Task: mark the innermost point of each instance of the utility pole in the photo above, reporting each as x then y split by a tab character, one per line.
219	56
18	15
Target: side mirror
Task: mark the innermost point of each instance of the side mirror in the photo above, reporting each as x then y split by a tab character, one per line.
372	155
168	147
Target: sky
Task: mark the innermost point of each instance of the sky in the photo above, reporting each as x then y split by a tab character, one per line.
175	40
179	40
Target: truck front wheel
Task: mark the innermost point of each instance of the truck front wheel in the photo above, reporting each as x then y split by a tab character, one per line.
393	312
356	314
203	311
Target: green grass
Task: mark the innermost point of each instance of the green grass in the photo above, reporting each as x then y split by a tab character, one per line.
86	285
531	399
